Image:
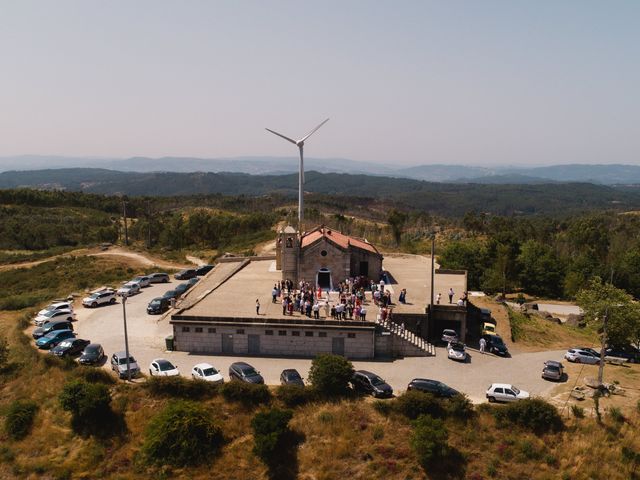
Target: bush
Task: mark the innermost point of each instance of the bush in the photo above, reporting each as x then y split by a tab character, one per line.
383	408
577	411
429	440
330	375
4	352
246	393
616	414
181	387
94	375
294	395
182	434
533	413
270	429
459	406
413	403
90	407
20	418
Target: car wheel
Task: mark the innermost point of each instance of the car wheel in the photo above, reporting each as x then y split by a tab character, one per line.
113	300
491	399
165	280
94	305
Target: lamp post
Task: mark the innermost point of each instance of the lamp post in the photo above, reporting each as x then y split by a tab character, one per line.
126	338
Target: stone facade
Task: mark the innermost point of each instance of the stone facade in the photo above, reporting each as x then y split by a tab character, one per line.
335	260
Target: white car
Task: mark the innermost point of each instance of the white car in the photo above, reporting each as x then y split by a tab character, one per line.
505	392
101	297
161	367
578	355
128	289
204	371
143	281
51	315
56	306
456	351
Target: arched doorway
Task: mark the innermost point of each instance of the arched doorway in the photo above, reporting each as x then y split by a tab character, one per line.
323	279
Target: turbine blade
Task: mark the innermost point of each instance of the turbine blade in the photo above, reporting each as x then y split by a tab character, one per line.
313	131
280	135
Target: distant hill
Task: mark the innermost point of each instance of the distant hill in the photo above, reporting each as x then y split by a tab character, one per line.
452	199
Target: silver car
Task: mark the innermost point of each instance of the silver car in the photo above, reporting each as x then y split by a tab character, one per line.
581	356
449	336
552	370
119	364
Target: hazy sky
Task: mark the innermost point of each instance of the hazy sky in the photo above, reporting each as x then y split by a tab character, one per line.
475	82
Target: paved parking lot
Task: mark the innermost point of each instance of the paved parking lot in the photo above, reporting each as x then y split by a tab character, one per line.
147	333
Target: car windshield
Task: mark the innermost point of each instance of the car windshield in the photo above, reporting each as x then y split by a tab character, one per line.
123	360
209	371
497	340
51	313
459	347
249	371
553	368
293	375
515	390
155	302
92	349
376	380
66	343
449	332
165	365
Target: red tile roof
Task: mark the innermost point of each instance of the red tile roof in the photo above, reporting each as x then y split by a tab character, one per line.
339	238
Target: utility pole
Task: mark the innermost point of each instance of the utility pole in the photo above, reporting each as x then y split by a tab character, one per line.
124	214
603	345
126	338
433	251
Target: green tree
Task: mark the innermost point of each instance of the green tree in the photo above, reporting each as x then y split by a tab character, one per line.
469	255
539	270
330	374
270	428
430	441
397	221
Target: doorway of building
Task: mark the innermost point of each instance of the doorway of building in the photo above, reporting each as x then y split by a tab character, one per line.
227	343
254	344
337	346
364	269
323	279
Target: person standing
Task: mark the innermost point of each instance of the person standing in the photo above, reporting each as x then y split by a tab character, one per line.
438	298
483	345
257	306
451	294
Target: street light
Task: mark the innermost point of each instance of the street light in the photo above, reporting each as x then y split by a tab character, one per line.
126	338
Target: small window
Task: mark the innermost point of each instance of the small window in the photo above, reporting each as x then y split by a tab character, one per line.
308	334
211	330
186	329
295	333
323	253
198	329
268	332
499	390
322	334
351	335
282	333
240	331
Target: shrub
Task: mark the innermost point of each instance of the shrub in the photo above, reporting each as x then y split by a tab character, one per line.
182	434
383	408
294	395
94	375
4	352
270	429
330	375
577	411
90	407
20	418
246	393
459	406
616	414
181	387
430	440
533	413
413	403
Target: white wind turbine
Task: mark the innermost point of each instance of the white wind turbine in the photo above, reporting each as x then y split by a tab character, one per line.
300	144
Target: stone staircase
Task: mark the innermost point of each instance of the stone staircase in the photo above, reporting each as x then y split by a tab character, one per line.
406	343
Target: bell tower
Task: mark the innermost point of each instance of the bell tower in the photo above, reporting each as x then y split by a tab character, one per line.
289	246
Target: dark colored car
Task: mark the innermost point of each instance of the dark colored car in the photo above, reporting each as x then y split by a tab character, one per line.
203	269
193	281
159	277
628	352
435	387
169	294
52	339
185	274
92	354
183	287
245	373
71	346
370	383
495	345
52	326
291	376
158	305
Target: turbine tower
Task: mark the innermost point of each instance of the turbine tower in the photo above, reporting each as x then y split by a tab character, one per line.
300	144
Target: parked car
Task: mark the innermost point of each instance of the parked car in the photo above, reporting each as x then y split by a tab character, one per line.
552	370
206	372
161	367
119	364
180	289
53	315
588	349
92	354
169	294
52	326
53	338
370	383
581	356
158	305
290	376
142	280
71	346
488	328
203	269
495	345
102	297
630	353
128	289
159	277
245	373
434	387
192	281
56	306
185	274
457	351
449	335
505	392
